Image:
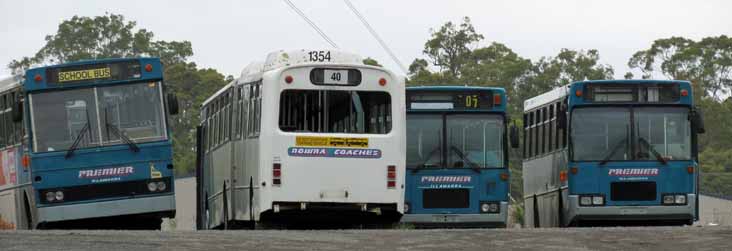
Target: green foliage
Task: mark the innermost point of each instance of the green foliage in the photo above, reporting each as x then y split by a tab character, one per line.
108	36
371	61
449	46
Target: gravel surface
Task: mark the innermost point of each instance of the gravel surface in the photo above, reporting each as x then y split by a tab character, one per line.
658	238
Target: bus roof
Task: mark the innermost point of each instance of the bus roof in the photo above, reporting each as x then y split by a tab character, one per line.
90	61
455	88
631	81
10	82
281	58
546	97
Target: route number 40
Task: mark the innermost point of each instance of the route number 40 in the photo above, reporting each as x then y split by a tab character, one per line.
319	56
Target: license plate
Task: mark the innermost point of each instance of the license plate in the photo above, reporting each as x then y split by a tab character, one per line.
335	77
632	211
444	218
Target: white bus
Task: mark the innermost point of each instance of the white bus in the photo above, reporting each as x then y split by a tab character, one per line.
305	136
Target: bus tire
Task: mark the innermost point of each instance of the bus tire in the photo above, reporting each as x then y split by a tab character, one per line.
560	209
537	224
28	215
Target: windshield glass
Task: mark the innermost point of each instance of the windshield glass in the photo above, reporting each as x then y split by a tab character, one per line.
424	140
475	140
322	111
134	110
665	130
62	117
601	133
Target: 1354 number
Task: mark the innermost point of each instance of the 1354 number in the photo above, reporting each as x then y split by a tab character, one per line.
319	56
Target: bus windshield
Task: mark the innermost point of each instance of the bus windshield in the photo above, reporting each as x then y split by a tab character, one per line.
326	111
604	133
472	140
97	116
475	140
424	140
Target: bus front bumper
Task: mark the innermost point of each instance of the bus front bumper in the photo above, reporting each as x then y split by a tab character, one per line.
497	219
158	204
631	213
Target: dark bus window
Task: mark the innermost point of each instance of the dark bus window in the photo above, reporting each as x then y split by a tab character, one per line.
324	111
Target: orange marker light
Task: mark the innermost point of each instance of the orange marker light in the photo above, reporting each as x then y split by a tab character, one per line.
578	93
382	81
288	79
504	176
690	169
497	99
574	170
38	78
26	161
563	176
148	67
684	93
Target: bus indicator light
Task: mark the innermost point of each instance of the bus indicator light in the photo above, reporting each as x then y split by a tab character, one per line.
276	174
288	79
26	161
574	170
382	81
391	177
497	99
578	93
563	176
148	68
504	176
38	78
690	169
684	93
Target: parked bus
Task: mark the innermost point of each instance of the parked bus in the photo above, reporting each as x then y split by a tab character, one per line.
306	136
612	152
87	145
457	156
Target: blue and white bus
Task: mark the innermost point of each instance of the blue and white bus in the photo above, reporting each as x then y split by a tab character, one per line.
612	152
457	156
89	145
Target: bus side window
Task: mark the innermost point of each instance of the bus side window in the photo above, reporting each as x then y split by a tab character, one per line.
539	132
3	135
526	135
552	128
532	132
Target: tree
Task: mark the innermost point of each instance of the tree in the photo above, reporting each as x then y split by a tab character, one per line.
371	61
707	63
448	48
108	36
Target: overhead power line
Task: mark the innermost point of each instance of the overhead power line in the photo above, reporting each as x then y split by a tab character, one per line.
311	23
376	36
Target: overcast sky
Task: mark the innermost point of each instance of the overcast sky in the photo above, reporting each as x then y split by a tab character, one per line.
227	35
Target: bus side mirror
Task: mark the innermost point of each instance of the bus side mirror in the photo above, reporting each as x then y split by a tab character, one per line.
172	104
697	120
514	136
17	111
562	117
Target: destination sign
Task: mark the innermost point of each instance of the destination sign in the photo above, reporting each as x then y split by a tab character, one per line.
121	70
84	75
646	93
451	100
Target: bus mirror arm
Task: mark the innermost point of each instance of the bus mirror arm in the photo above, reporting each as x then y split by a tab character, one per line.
17	111
514	136
172	104
697	120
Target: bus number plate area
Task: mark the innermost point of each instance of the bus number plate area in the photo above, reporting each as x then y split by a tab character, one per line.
444	218
335	77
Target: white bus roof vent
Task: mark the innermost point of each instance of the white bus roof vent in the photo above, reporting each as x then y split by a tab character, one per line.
281	58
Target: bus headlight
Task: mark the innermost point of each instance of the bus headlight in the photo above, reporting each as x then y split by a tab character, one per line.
162	186
598	200
50	196
585	200
59	196
489	207
680	199
673	199
152	186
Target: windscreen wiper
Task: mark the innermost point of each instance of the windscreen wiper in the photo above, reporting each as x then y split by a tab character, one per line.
462	156
615	149
77	140
652	149
115	130
429	156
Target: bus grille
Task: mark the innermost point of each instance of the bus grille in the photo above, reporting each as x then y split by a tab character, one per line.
633	191
445	198
106	190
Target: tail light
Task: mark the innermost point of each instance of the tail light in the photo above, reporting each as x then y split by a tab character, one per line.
276	174
504	176
497	99
563	176
690	169
391	177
